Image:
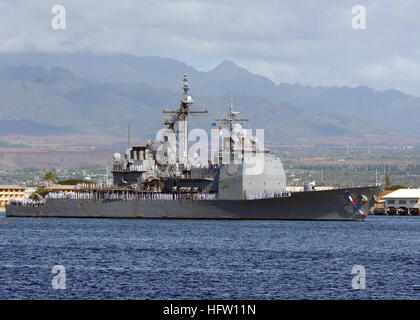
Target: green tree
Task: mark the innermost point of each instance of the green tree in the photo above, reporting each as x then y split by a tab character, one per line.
49	176
397	187
39	191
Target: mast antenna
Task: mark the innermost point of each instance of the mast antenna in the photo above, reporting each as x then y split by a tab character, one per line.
128	136
230	119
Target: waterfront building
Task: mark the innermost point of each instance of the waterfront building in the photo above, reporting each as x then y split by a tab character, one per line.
11	192
403	201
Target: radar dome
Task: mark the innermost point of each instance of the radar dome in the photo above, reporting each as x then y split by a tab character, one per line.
236	129
116	156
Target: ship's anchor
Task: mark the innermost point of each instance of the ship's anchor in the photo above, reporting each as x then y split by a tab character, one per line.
364	199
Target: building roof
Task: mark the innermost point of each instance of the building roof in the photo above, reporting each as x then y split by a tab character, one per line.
11	186
404	194
385	193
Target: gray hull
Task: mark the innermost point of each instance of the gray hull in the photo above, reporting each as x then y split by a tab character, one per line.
314	205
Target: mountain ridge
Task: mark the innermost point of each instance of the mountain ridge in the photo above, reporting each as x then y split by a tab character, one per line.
58	97
369	107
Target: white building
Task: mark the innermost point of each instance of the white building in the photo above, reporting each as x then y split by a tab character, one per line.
407	200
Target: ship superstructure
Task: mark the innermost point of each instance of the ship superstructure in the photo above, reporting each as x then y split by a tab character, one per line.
241	169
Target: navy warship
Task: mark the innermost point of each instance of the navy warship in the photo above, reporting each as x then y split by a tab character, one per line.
162	180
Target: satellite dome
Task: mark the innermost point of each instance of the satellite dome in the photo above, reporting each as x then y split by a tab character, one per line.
236	129
116	156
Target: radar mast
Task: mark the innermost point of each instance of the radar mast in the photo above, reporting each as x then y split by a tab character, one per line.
180	120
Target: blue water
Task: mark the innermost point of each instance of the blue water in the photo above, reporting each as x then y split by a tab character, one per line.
185	259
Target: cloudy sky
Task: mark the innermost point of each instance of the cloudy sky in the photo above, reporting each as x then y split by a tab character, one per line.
311	42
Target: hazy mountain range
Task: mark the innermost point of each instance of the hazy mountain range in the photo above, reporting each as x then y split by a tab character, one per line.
103	94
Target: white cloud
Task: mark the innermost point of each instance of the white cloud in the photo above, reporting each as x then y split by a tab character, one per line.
311	42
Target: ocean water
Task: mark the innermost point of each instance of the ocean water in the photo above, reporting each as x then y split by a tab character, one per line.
186	259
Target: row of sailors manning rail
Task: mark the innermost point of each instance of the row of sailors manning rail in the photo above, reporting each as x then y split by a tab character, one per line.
133	196
144	196
159	196
188	166
26	203
266	195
